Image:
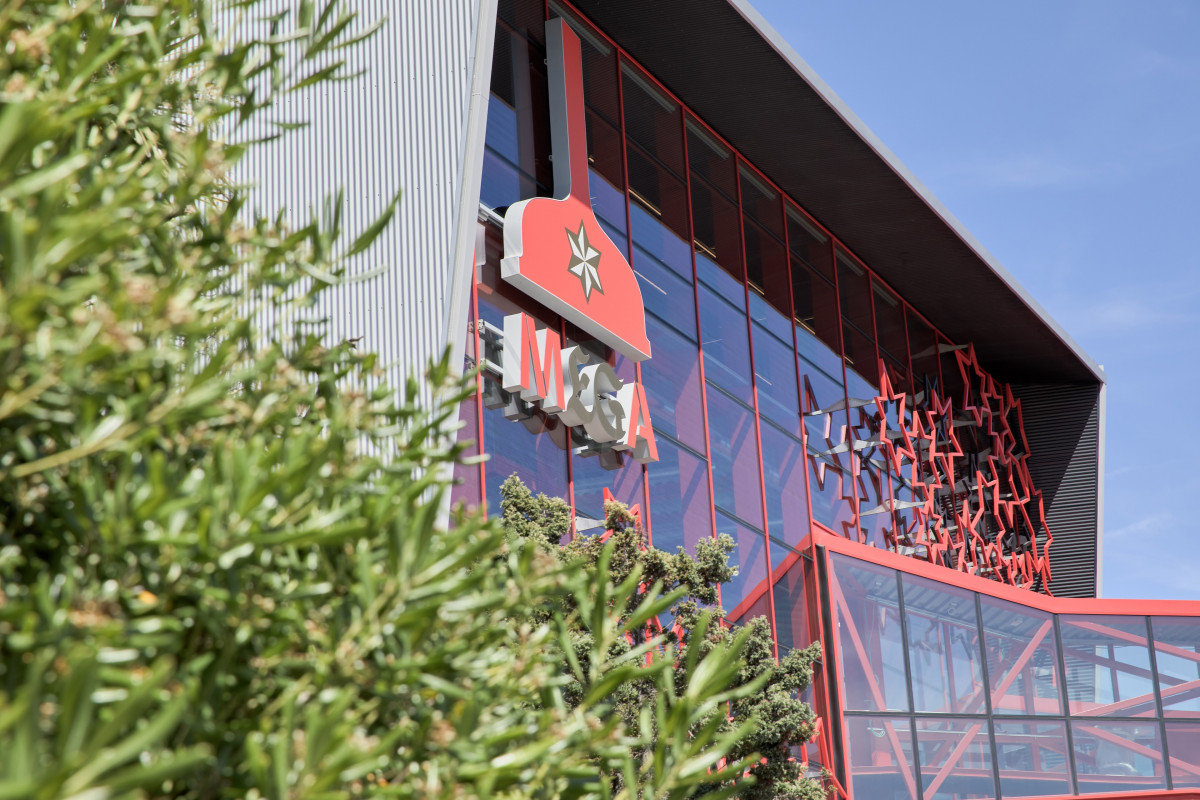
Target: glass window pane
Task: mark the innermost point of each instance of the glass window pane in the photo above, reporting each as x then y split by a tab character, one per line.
956	759
828	458
1032	758
881	758
654	133
807	244
726	343
854	291
943	647
592	474
889	326
731	436
665	294
1177	653
466	488
750	584
766	315
791	601
1183	743
1108	666
775	378
1117	756
652	119
866	602
679	506
518	437
783	477
922	343
609	204
1022	658
522	440
817	320
762	227
715	219
516	163
672	382
660	242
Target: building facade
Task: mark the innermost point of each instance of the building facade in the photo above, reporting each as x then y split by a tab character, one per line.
696	283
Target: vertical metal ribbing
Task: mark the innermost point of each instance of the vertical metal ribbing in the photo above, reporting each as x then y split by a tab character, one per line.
402	126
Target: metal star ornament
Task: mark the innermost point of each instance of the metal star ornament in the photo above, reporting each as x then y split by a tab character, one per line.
585	261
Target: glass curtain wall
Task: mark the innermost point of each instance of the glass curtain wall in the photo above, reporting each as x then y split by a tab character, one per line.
767	333
947	693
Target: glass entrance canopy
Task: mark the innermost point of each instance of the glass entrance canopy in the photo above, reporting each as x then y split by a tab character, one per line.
950	687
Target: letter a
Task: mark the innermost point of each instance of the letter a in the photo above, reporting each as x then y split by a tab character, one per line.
639	431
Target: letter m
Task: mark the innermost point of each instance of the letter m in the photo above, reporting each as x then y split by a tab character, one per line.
533	362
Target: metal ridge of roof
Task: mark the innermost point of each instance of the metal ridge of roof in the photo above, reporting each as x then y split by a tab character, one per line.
738	74
789	54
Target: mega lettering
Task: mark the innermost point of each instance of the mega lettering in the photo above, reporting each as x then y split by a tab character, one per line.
565	383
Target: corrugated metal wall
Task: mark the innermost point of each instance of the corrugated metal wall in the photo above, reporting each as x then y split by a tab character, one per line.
1063	426
408	124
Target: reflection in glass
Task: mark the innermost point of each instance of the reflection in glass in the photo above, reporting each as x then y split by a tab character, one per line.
664	293
1117	756
715	218
775	376
791	601
672	382
1108	666
750	558
828	457
817	336
881	757
1032	758
522	440
783	476
653	128
679	505
866	600
660	242
591	476
956	759
736	485
466	488
943	647
726	344
608	202
1177	654
1183	743
1022	658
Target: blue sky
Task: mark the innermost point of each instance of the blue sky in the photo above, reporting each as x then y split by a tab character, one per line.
1066	137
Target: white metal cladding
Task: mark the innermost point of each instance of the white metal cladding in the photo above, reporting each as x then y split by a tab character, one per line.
408	124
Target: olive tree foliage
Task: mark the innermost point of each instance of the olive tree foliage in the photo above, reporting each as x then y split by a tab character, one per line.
221	571
782	720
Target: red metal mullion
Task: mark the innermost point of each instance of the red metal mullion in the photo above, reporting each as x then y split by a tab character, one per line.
762	476
837	310
687	179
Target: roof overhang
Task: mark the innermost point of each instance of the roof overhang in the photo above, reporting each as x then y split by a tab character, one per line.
735	71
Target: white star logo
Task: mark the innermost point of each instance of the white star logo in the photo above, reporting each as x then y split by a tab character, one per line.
585	261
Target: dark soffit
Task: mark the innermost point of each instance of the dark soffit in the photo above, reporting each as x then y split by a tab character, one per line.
734	71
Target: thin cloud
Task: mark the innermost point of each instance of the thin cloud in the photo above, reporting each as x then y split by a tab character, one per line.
1028	171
